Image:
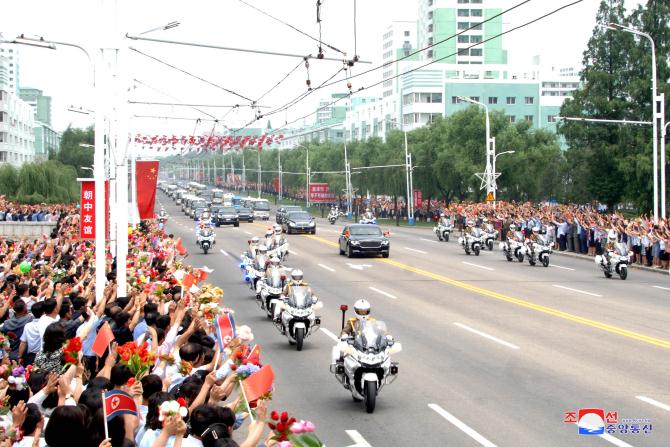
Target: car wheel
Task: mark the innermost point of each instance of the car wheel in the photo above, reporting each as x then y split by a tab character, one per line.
236	224
385	254
350	252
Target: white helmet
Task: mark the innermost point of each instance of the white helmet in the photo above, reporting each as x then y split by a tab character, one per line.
296	275
441	214
277	229
611	236
484	220
512	227
255	240
262	249
274	261
362	309
536	229
269	233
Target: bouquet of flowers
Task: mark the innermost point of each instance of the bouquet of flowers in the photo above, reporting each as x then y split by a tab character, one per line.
290	432
58	274
185	368
17	380
137	358
71	352
5	406
157	288
172	408
4	343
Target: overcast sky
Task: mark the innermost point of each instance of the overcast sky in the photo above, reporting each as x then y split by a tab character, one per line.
63	74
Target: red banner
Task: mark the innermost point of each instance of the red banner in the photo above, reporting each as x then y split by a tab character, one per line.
320	192
418	201
275	184
146	176
87	210
189	143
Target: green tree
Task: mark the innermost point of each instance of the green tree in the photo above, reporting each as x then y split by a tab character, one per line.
72	154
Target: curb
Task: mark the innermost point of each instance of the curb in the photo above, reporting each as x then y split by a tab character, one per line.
589	258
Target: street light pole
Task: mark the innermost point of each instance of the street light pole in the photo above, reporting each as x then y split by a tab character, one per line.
657	113
280	174
347	180
307	174
259	174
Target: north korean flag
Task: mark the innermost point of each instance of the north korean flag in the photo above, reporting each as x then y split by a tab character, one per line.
118	402
225	329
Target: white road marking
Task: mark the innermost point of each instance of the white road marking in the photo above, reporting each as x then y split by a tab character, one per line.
662	288
561	267
575	290
357	438
429	240
329	334
326	267
460	425
485	335
374	289
248	232
609	438
359	266
478	266
224	253
653	402
293	252
418	251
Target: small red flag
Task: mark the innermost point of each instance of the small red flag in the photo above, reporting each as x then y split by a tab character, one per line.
102	340
258	384
118	402
188	280
202	275
180	248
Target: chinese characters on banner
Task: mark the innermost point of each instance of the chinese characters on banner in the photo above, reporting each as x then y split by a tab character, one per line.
87	204
418	200
320	192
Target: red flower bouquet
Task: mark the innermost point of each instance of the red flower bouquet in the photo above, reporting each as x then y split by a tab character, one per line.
137	358
71	352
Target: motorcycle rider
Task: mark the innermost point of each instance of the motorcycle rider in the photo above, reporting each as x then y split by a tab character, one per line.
352	327
444	220
368	214
269	240
296	280
610	246
162	213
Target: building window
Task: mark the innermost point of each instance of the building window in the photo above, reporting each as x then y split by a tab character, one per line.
455	100
476	52
511	100
476	25
463	52
529	100
436	98
463	25
463	1
463	13
529	118
430	28
430	41
475	98
408	99
493	100
430	54
430	15
430	2
463	39
406	33
475	39
551	118
512	119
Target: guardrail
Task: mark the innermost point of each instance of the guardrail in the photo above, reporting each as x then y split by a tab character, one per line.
21	230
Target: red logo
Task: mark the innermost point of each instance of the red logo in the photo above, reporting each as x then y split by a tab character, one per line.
115	402
570	417
612	417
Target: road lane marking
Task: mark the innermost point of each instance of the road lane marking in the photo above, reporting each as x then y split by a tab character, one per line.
485	335
326	267
358	266
322	240
429	240
224	253
653	402
561	267
418	251
330	334
522	303
662	288
607	437
293	252
460	425
248	232
575	290
478	266
374	289
357	438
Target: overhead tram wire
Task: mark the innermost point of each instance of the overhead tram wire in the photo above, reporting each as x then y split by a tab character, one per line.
530	22
278	83
192	75
172	97
176	104
293	27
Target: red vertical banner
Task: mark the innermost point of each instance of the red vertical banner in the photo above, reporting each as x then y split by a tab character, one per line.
87	210
275	184
418	201
106	209
146	177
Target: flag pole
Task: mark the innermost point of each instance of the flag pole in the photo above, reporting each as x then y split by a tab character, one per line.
104	414
251	413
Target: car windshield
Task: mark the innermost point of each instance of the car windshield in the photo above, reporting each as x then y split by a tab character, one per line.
298	216
288	209
301	297
372	337
227	210
199	210
365	231
262	206
243	210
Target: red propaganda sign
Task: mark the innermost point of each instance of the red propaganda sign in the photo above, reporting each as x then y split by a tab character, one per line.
87	210
320	192
418	201
275	184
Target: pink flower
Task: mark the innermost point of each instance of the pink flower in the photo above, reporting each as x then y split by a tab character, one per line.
302	427
309	427
284	444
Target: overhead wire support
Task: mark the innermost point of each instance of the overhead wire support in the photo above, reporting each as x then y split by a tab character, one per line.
177	104
172	97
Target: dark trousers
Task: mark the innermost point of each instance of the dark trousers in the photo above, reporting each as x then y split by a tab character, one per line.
28	358
561	242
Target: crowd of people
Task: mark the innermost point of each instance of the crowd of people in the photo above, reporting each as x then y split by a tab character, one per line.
62	352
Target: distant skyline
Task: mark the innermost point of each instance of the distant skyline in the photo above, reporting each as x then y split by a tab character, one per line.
63	74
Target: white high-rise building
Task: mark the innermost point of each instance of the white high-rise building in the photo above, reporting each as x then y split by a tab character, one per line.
9	69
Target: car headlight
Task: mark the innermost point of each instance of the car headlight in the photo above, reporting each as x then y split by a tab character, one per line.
354	242
311	224
291	224
385	242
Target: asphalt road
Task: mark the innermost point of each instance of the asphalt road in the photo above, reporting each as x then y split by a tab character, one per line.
494	352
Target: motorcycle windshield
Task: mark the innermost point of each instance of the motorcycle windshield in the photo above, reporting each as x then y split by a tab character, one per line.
621	249
542	239
260	261
206	233
301	298
371	338
274	280
476	232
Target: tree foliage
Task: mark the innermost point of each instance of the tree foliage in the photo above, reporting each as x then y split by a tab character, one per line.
45	182
71	153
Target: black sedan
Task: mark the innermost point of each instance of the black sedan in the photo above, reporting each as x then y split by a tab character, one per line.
227	216
284	210
364	239
245	214
299	222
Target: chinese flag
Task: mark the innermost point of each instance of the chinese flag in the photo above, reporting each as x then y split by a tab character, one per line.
119	402
255	354
180	248
102	340
202	275
258	384
146	176
188	280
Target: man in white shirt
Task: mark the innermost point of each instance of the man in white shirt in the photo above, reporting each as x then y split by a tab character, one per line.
50	309
31	341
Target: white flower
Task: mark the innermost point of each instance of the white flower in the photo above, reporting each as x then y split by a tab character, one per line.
183	412
244	333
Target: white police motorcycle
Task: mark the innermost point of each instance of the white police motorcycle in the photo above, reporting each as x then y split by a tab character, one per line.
443	231
538	250
511	248
490	236
367	367
297	318
472	241
618	262
205	239
269	289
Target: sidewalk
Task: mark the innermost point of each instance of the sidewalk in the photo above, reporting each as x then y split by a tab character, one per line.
590	258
